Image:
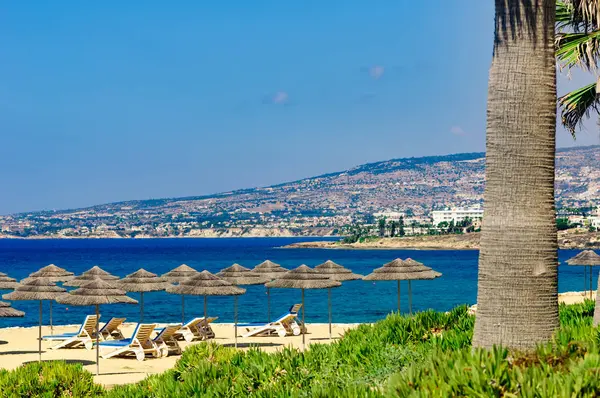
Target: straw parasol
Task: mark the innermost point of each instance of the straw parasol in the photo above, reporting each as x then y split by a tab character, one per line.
36	289
337	273
177	275
586	258
403	270
206	284
53	274
271	270
239	275
302	278
143	281
90	275
96	292
7	283
6	311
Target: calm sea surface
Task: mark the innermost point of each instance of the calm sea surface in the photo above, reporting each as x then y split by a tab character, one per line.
356	301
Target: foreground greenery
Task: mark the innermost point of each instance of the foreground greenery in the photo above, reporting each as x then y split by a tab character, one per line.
426	355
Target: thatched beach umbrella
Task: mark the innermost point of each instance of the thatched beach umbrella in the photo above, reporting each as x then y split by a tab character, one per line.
91	275
403	270
337	273
303	278
7	283
206	284
239	275
97	292
53	274
36	289
271	270
177	275
586	258
6	311
143	281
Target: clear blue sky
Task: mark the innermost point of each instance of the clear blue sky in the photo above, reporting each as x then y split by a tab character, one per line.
109	101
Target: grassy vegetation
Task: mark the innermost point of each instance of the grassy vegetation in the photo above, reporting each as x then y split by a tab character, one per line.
425	355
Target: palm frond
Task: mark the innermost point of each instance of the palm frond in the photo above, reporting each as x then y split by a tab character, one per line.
569	18
576	105
588	10
578	49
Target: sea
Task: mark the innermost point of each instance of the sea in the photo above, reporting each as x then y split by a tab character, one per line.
353	302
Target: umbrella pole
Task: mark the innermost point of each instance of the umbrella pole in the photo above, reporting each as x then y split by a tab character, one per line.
142	307
51	326
268	305
205	317
235	318
183	309
398	297
40	335
303	324
590	284
584	281
409	298
97	337
329	306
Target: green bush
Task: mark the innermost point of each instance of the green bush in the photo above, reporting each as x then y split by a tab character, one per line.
428	354
358	365
48	379
568	366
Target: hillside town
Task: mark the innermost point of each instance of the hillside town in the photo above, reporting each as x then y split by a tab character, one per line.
427	194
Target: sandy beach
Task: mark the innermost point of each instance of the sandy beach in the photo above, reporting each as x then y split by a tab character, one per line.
19	346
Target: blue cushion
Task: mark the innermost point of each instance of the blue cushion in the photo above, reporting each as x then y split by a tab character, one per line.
58	336
116	343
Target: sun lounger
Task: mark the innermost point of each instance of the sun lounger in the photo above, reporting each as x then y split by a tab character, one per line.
166	342
111	331
284	325
139	344
196	329
83	337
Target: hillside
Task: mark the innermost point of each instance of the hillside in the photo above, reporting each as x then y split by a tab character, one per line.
312	206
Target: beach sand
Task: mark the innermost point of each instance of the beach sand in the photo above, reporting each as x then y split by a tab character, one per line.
19	346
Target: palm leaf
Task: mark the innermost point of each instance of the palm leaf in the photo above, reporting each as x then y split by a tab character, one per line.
576	105
587	10
578	49
569	17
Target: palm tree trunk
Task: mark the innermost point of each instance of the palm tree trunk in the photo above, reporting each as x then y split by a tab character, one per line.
517	299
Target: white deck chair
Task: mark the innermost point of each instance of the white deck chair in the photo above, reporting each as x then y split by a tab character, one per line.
205	329
111	331
282	326
166	342
139	344
196	329
83	337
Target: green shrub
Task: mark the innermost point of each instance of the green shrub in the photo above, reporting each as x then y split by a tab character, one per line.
48	379
428	354
568	366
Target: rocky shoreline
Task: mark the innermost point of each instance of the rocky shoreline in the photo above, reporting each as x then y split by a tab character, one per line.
570	239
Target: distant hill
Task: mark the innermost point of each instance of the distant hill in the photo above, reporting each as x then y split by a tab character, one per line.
311	206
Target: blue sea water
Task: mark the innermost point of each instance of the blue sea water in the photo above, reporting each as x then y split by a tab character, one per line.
355	301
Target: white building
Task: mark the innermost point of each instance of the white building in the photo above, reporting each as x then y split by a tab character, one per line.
458	215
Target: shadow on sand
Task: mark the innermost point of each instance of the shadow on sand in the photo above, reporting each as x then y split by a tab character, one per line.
19	352
80	361
249	345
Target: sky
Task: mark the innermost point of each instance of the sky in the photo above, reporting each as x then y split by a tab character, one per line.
110	101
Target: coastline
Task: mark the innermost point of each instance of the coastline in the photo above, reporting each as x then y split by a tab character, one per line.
569	239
